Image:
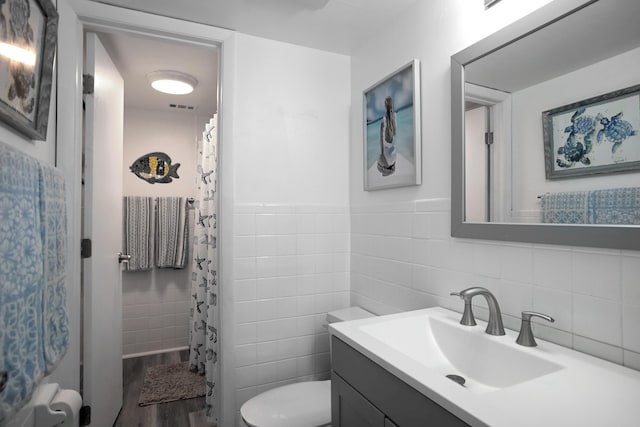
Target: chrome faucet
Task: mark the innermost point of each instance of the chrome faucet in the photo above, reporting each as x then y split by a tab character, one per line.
494	327
525	337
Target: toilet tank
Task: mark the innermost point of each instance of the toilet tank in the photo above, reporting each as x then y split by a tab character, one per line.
351	313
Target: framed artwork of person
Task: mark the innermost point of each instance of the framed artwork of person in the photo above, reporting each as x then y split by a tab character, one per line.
392	143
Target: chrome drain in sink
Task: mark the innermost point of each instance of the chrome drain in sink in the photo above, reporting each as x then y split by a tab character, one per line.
457	378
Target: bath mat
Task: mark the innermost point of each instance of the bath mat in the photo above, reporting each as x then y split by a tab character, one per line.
168	383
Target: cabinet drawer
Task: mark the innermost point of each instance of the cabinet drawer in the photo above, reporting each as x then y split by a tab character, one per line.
397	400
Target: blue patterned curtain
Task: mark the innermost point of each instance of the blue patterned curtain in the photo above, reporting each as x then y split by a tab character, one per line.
203	336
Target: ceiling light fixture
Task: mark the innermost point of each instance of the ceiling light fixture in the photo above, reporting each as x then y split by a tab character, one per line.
172	82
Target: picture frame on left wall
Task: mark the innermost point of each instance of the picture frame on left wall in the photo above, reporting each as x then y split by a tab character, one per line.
392	141
27	49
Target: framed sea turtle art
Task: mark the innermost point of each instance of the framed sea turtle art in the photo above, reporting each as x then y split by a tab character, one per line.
599	135
392	144
28	34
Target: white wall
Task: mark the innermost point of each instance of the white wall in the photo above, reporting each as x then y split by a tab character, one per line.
172	132
69	157
594	80
156	303
292	113
291	222
402	254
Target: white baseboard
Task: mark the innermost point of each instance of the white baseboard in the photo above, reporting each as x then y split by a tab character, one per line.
148	353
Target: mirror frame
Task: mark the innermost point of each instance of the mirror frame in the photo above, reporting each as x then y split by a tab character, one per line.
601	236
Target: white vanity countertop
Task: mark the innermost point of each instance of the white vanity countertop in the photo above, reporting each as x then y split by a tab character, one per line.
585	391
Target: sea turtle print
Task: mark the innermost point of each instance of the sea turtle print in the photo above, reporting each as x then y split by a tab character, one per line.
579	142
615	130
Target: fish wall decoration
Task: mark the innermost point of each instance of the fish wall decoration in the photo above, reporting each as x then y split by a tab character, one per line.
155	167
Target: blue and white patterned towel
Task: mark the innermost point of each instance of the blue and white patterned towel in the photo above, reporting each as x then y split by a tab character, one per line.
565	208
33	319
609	206
615	206
21	278
34	332
53	222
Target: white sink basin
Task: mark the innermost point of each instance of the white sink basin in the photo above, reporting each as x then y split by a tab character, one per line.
485	362
506	384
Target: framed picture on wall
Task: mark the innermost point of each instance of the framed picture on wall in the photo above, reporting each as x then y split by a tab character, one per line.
28	34
392	143
593	136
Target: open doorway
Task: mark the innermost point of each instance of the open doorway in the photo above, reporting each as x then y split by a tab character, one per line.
150	314
487	167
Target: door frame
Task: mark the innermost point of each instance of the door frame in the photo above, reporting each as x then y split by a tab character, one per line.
500	104
102	272
93	16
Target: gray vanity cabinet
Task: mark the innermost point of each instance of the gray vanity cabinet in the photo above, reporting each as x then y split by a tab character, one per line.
364	394
350	408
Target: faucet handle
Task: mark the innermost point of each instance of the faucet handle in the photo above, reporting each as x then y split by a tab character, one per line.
525	337
467	316
527	315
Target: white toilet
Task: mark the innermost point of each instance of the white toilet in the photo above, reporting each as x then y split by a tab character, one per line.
303	404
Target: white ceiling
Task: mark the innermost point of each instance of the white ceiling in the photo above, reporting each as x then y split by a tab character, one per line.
334	25
136	56
590	35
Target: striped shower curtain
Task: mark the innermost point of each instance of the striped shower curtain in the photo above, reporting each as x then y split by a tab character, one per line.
203	336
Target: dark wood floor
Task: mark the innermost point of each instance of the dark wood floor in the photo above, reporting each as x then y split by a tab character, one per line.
183	413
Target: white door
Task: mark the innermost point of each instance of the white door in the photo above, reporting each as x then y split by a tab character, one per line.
104	115
475	167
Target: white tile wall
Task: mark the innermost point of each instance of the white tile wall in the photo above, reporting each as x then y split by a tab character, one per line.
155	312
593	294
291	266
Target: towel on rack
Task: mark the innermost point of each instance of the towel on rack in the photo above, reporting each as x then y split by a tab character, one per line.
53	210
608	206
615	206
33	327
565	208
171	232
138	232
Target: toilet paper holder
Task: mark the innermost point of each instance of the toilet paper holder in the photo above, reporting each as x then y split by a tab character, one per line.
48	416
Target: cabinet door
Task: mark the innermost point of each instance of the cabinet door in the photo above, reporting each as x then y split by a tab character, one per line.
396	399
350	409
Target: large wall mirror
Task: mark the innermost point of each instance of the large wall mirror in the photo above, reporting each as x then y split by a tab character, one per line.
546	128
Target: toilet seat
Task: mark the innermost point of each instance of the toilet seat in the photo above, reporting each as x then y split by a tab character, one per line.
304	404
